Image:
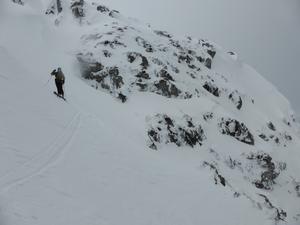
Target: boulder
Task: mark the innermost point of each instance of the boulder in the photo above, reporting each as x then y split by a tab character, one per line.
164	129
237	130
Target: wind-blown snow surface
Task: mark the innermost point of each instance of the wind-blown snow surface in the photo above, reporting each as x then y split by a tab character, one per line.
89	161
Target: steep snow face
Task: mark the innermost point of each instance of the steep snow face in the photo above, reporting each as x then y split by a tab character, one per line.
156	128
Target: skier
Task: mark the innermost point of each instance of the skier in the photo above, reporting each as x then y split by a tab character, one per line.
59	81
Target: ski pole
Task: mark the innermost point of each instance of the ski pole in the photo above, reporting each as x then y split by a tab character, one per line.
47	81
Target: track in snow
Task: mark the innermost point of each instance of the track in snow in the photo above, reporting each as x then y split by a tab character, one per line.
43	160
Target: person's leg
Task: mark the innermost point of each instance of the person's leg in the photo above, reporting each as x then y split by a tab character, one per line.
62	90
57	86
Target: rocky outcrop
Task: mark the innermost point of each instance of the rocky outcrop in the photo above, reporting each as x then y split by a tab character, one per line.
269	133
237	130
166	88
236	99
279	214
163	33
271	126
20	2
105	10
107	78
145	44
55	7
164	129
270	172
218	178
297	187
133	56
77	8
212	88
154	65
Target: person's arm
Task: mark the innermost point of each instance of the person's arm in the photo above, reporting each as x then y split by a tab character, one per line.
54	72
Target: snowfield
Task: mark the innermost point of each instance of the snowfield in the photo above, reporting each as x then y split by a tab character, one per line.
199	138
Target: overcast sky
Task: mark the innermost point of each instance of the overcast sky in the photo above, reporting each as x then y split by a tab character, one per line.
265	33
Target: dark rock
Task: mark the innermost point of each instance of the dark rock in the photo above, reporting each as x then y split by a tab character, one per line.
192	75
264	137
288	137
117	80
237	130
122	97
120	29
168	121
163	33
271	126
217	177
269	174
191	137
187	95
232	163
113	44
113	13
54	8
268	177
236	194
183	57
176	44
142	86
157	62
208	116
212	53
167	89
208	63
212	88
222	180
145	63
164	74
167	130
143	74
191	52
102	84
206	44
90	69
107	78
297	189
132	56
103	9
145	44
77	8
200	59
154	137
192	66
280	214
20	2
236	99
107	54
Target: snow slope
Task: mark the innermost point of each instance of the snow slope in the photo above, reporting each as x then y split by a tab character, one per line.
89	161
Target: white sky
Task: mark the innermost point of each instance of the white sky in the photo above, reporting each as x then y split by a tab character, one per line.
265	33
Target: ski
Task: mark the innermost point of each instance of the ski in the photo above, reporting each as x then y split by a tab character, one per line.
59	96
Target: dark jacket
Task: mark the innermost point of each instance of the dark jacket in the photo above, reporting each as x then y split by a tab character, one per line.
59	75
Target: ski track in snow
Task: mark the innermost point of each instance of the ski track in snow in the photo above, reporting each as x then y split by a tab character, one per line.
43	160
